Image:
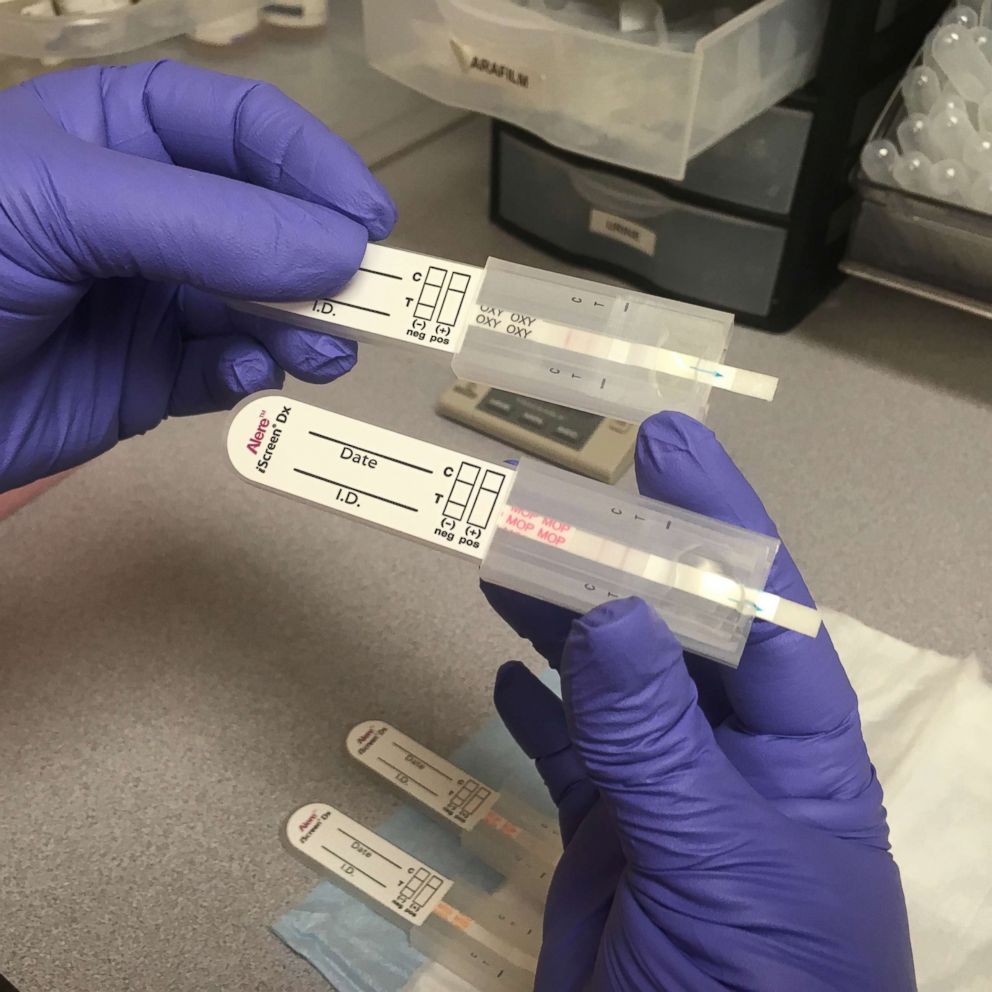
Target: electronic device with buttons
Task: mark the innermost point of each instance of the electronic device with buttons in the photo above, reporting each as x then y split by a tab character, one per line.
598	447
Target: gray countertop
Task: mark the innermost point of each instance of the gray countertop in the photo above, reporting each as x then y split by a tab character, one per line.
181	654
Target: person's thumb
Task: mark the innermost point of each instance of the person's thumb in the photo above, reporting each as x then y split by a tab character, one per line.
634	721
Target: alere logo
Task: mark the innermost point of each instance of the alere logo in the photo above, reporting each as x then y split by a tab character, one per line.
308	822
259	436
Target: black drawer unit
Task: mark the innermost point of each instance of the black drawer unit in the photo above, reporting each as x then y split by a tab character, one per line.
759	224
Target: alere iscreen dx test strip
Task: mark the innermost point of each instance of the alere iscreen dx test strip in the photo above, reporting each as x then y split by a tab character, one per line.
574	342
533	528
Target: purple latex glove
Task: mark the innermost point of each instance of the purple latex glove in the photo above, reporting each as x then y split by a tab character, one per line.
723	829
128	196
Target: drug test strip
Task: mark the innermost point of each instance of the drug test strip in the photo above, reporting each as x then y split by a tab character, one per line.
450	921
505	833
541	531
570	341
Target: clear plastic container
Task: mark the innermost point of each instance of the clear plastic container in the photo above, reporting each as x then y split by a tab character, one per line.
511	842
107	31
661	553
613	387
647	106
471	954
911	241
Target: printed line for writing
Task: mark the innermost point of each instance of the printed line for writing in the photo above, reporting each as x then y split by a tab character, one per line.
368	451
331	482
376	272
368	847
356	306
345	861
407	776
426	764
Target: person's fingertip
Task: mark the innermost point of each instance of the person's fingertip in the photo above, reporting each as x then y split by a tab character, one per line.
531	711
620	643
338	349
383	216
666	435
608	615
334	370
344	258
675	429
681	461
546	626
599	634
251	371
316	358
311	252
506	676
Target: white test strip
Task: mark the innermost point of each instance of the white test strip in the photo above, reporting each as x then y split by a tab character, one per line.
757	385
444	788
405	296
424	491
687	578
442	498
335	844
431	780
397	295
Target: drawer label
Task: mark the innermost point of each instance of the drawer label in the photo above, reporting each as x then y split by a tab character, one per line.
622	230
489	67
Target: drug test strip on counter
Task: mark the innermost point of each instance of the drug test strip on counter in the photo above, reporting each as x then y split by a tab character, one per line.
581	344
535	529
468	931
501	831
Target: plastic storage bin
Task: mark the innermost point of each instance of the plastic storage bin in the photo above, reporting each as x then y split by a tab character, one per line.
924	246
552	570
936	250
650	107
760	222
71	37
729	261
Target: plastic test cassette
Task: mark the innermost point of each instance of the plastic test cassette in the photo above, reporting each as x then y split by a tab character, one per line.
503	832
580	344
535	529
479	937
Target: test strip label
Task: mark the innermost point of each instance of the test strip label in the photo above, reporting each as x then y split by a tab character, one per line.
427	777
334	843
421	490
395	294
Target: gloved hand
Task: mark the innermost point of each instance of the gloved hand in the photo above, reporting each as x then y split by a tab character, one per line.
723	829
128	196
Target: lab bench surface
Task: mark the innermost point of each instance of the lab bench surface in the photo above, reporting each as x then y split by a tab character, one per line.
182	655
